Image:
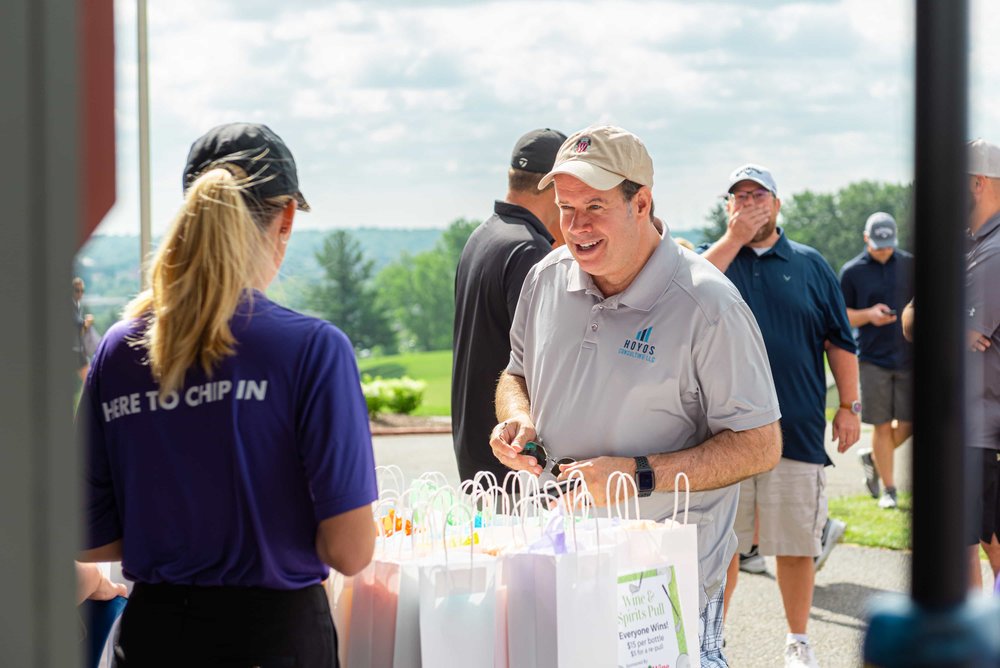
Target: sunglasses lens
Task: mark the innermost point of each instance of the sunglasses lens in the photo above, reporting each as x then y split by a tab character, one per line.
565	461
535	450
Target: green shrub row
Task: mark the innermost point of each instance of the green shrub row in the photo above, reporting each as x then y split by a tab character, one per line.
392	395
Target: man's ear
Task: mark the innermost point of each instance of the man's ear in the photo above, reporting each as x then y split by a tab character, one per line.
643	202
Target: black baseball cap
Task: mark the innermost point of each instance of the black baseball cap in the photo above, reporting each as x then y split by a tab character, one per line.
536	151
257	150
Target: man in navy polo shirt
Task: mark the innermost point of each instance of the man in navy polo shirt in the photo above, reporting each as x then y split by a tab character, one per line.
876	285
794	296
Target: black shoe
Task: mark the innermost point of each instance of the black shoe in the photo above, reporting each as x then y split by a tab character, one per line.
871	473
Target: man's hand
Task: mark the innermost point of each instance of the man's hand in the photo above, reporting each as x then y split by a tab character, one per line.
88	320
596	473
977	342
509	438
745	222
846	428
878	315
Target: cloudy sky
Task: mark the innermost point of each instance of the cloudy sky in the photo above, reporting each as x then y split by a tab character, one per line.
403	114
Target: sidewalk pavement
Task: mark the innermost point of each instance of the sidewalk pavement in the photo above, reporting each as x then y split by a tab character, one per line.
756	628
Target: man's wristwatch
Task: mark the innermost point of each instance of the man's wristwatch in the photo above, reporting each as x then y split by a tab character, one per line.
645	479
853	407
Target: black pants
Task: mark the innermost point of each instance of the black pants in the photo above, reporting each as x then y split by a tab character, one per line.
230	627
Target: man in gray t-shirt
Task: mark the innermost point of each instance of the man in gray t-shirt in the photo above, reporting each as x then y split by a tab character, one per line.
631	354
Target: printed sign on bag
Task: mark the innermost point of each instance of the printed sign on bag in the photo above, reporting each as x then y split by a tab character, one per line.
650	628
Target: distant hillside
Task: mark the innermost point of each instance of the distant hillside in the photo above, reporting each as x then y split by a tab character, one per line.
110	264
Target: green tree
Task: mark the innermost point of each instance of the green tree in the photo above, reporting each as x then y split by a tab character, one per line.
716	222
419	290
346	296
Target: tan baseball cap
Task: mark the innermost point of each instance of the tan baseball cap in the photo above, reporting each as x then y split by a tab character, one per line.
602	157
984	159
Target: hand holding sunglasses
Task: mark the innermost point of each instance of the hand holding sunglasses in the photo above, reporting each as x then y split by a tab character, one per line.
508	440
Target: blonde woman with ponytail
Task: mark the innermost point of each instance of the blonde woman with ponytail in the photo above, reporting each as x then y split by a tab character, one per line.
228	455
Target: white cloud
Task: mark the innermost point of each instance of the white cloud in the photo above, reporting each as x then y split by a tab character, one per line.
415	107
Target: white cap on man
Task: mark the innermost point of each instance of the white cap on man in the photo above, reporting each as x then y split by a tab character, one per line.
756	173
984	159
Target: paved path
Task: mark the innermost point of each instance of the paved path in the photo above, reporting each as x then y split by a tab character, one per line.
756	627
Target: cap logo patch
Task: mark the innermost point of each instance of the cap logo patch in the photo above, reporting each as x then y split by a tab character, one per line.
523	162
582	144
882	233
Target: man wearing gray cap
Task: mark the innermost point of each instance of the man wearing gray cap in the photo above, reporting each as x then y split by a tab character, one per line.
876	285
983	300
496	258
631	354
795	298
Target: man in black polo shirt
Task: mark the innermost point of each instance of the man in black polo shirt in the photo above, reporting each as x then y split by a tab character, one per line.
522	230
877	284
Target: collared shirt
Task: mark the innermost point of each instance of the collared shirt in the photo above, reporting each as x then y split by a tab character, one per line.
488	281
795	297
865	281
983	309
225	481
660	367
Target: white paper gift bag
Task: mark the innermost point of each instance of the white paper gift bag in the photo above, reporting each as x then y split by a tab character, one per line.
561	601
657	592
457	606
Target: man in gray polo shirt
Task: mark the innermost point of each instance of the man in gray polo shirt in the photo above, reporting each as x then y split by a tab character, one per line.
983	365
983	263
636	355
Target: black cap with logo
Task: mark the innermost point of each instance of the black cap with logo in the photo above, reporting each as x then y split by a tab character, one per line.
536	151
255	149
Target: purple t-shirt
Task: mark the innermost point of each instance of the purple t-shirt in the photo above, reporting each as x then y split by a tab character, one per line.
225	481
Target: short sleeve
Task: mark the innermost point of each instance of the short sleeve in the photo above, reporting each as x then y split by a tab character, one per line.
519	326
101	512
847	288
983	311
734	374
838	327
332	430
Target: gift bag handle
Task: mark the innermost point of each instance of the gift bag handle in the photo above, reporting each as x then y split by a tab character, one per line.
436	477
395	472
621	480
687	494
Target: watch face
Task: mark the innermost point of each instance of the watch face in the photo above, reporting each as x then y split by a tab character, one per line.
856	407
644	480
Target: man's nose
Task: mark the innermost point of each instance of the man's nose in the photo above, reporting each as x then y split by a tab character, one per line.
578	220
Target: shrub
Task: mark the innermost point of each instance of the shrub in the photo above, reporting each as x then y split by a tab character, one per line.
395	395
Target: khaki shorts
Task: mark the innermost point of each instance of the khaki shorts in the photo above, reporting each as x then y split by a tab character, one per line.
791	502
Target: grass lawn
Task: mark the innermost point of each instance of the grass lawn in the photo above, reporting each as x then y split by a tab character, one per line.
434	368
871	526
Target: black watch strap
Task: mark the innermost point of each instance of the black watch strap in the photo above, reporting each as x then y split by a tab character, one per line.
645	479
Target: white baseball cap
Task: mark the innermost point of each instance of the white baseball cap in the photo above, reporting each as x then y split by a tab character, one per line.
761	175
984	159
